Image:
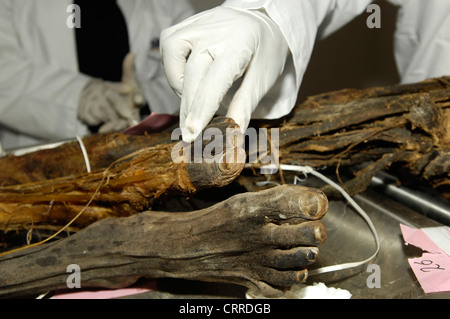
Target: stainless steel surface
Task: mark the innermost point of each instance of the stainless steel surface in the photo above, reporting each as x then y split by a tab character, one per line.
422	201
349	239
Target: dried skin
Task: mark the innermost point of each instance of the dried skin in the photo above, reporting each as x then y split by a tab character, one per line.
262	240
405	125
127	186
68	160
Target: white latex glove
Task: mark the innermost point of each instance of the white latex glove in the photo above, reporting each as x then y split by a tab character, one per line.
204	55
115	105
129	78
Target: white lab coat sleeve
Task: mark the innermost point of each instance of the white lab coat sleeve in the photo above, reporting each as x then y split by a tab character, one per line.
422	39
36	100
300	21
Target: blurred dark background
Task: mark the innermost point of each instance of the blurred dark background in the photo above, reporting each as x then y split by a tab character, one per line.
354	56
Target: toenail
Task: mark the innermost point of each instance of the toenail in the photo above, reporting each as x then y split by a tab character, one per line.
309	204
312	254
301	276
320	233
313	204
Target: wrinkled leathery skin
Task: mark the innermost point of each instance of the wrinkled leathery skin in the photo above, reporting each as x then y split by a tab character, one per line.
262	240
287	220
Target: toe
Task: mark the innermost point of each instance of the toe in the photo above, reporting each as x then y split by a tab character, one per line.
286	278
313	204
304	234
295	258
292	201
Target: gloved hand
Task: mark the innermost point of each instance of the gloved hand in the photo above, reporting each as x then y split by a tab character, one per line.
115	105
204	55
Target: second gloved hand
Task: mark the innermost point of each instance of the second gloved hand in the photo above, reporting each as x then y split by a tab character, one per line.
108	104
204	55
115	105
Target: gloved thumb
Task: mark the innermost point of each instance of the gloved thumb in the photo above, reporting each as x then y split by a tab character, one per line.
129	83
128	75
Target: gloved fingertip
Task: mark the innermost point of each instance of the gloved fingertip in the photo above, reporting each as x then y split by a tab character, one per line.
188	137
241	122
243	125
126	88
129	58
105	128
192	128
138	100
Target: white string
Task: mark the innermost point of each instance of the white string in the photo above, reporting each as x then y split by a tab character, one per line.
85	154
42	296
309	170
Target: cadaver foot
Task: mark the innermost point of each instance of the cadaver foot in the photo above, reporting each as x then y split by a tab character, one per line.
262	240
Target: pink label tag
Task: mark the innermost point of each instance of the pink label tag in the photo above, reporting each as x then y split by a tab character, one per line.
432	269
106	293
